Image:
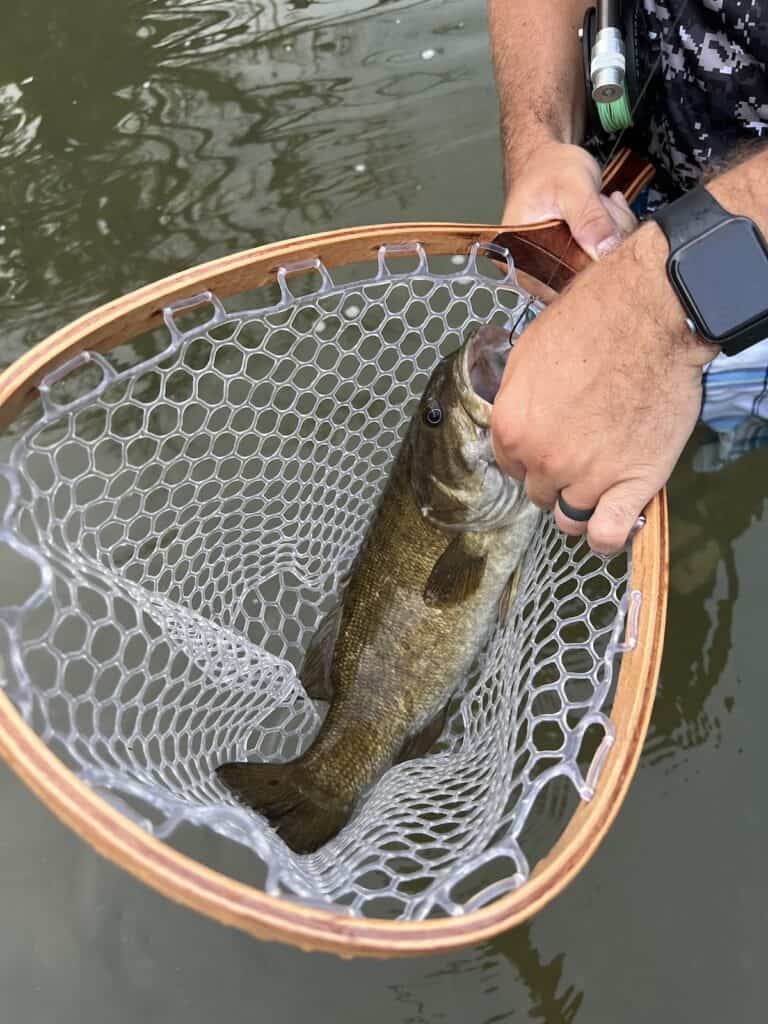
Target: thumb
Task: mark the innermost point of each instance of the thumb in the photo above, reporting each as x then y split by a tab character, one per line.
594	224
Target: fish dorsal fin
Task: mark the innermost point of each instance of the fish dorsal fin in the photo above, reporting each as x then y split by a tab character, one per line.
457	573
315	674
508	595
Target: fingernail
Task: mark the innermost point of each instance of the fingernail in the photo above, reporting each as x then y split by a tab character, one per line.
608	245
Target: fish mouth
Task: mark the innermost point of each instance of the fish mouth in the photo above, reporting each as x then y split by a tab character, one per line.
481	369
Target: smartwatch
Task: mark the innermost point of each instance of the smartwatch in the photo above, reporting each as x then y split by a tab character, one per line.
718	267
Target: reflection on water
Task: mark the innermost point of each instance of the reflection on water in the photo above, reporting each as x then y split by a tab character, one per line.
141	136
509	981
144	140
554	1000
712	511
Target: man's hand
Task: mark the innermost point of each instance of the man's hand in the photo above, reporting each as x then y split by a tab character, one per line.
601	393
557	181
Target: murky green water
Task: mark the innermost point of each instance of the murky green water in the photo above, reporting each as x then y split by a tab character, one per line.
137	138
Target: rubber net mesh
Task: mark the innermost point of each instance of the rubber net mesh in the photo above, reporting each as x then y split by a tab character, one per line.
189	516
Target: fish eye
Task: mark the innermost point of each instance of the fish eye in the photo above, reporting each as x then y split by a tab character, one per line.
433	414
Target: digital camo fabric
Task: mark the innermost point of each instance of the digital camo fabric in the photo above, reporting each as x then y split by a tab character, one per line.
712	92
709	98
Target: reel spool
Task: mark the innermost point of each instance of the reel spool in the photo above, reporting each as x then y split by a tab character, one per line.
609	50
154	501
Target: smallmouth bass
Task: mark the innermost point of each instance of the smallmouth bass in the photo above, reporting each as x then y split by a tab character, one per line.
437	569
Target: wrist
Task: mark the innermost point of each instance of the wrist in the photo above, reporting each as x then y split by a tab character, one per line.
719	257
530	150
647	250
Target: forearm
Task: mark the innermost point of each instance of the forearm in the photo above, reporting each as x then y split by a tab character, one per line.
538	68
743	189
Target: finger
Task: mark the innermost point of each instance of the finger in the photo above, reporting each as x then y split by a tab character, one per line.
620	213
582	498
591	222
505	460
619	199
616	515
505	432
541	490
570	527
514	469
507	463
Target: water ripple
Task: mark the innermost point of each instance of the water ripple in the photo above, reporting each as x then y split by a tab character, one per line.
18	130
200	127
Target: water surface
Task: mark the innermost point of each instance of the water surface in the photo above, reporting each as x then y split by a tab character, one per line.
140	137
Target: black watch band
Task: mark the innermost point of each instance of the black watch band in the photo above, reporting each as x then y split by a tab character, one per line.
718	267
690	216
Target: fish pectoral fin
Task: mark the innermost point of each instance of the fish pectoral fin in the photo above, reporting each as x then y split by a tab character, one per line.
422	741
315	673
457	573
507	598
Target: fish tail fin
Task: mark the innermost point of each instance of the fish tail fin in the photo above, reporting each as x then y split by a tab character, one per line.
280	792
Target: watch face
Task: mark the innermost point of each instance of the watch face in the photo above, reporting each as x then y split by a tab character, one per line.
724	275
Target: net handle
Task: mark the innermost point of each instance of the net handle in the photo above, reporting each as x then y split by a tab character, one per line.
541	252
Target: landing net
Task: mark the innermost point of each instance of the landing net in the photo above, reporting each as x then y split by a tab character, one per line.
190	516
